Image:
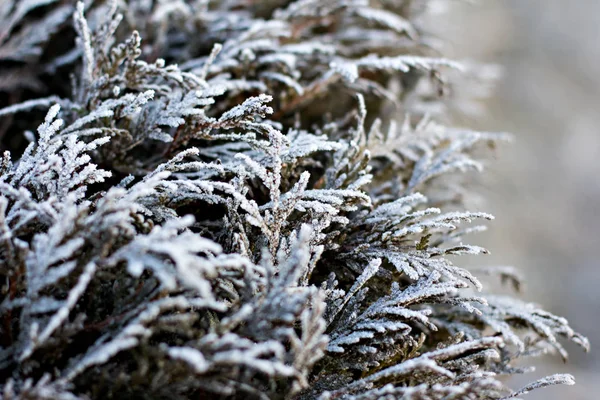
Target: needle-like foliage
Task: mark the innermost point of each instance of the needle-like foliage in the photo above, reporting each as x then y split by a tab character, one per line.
245	199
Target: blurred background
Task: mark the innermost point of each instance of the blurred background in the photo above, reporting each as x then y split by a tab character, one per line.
544	188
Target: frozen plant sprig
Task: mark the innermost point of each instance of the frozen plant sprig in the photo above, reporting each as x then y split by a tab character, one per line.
218	203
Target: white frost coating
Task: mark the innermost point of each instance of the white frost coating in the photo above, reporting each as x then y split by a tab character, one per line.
191	356
249	223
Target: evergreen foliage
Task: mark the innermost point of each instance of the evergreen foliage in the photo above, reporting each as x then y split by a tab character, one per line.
245	199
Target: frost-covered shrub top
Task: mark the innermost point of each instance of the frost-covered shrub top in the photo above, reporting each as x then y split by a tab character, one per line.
245	199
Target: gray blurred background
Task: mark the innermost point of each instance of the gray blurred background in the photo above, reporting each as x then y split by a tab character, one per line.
544	189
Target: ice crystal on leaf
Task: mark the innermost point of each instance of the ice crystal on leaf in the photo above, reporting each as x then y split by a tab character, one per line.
233	199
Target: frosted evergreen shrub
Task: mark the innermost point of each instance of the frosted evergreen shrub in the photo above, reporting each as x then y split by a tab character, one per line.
246	199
